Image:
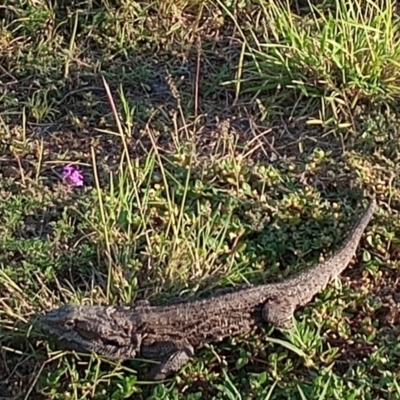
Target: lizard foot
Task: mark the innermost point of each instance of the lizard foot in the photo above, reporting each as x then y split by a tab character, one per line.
279	313
172	362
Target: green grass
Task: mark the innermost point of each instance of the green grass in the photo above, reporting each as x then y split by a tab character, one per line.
222	143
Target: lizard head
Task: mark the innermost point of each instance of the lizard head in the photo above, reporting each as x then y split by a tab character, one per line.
107	331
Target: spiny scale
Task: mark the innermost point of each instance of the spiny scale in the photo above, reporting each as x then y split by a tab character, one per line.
170	334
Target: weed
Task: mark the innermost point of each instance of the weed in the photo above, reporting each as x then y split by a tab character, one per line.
220	143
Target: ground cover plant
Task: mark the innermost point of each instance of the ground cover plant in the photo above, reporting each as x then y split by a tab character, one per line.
167	149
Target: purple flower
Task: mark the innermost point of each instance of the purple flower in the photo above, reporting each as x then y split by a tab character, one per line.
72	175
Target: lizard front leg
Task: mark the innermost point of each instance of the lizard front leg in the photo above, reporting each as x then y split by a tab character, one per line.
279	312
173	356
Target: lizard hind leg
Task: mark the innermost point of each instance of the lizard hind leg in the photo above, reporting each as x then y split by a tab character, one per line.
279	312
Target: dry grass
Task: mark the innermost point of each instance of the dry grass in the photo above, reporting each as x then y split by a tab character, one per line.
220	145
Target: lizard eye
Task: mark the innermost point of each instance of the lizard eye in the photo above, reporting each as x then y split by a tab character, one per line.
69	324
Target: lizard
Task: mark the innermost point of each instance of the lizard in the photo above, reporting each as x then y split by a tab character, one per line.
171	333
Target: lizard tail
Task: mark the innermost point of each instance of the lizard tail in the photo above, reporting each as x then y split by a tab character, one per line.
313	280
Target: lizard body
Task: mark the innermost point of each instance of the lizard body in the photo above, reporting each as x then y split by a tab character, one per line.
171	333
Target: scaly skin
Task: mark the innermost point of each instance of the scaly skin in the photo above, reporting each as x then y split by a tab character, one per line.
171	333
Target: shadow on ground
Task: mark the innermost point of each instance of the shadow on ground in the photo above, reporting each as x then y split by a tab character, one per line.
176	86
